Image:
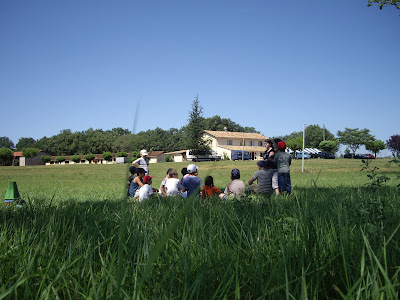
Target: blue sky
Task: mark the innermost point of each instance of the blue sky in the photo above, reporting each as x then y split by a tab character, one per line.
273	65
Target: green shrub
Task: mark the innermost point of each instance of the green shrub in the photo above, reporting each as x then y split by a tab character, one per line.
45	159
226	157
90	157
60	159
168	158
135	154
122	154
76	159
107	156
6	156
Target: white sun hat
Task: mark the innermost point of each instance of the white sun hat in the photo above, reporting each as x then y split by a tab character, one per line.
143	152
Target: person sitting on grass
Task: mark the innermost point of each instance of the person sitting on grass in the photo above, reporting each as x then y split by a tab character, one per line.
235	188
263	177
192	183
163	191
136	183
209	189
132	176
146	190
172	185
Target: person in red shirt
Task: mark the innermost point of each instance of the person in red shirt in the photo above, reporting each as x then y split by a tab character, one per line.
209	189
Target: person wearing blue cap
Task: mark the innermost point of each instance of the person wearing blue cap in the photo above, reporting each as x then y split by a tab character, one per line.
235	188
263	177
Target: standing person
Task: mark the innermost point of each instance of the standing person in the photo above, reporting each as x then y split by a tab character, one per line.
136	183
263	177
275	144
270	151
172	184
192	183
146	190
235	188
142	161
283	160
209	189
269	155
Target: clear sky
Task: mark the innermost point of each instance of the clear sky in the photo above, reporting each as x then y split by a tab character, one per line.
273	65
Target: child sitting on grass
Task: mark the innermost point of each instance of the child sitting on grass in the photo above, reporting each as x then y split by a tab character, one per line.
209	189
263	177
235	188
172	185
146	190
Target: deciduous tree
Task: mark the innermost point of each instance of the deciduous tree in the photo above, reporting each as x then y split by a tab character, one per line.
5	142
30	152
375	146
26	142
6	156
328	146
354	138
393	144
382	3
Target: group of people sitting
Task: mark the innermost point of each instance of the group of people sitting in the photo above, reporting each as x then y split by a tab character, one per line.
273	175
139	184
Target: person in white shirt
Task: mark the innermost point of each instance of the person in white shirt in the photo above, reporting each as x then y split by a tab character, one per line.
172	184
142	161
146	190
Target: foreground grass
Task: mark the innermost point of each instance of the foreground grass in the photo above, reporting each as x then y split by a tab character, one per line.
79	238
324	243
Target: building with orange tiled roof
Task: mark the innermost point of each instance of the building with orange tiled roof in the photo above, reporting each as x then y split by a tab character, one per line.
224	142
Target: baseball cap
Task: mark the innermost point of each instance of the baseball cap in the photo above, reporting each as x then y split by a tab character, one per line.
143	152
235	173
282	145
147	178
262	163
192	168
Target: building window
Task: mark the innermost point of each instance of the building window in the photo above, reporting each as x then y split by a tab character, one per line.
229	143
251	143
260	143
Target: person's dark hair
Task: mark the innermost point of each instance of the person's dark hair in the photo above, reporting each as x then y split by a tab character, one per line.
269	142
132	169
169	170
270	164
209	181
141	171
276	141
184	171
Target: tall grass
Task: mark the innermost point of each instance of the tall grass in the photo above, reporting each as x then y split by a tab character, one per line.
322	241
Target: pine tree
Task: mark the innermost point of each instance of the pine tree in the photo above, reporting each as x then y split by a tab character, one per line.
195	128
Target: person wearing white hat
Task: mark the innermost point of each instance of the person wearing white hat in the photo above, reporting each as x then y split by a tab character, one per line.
191	183
142	161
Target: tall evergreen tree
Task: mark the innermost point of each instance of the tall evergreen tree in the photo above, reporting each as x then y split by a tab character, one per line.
195	128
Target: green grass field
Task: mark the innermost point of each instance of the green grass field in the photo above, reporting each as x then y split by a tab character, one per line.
79	237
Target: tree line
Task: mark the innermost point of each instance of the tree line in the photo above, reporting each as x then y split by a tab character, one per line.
119	140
